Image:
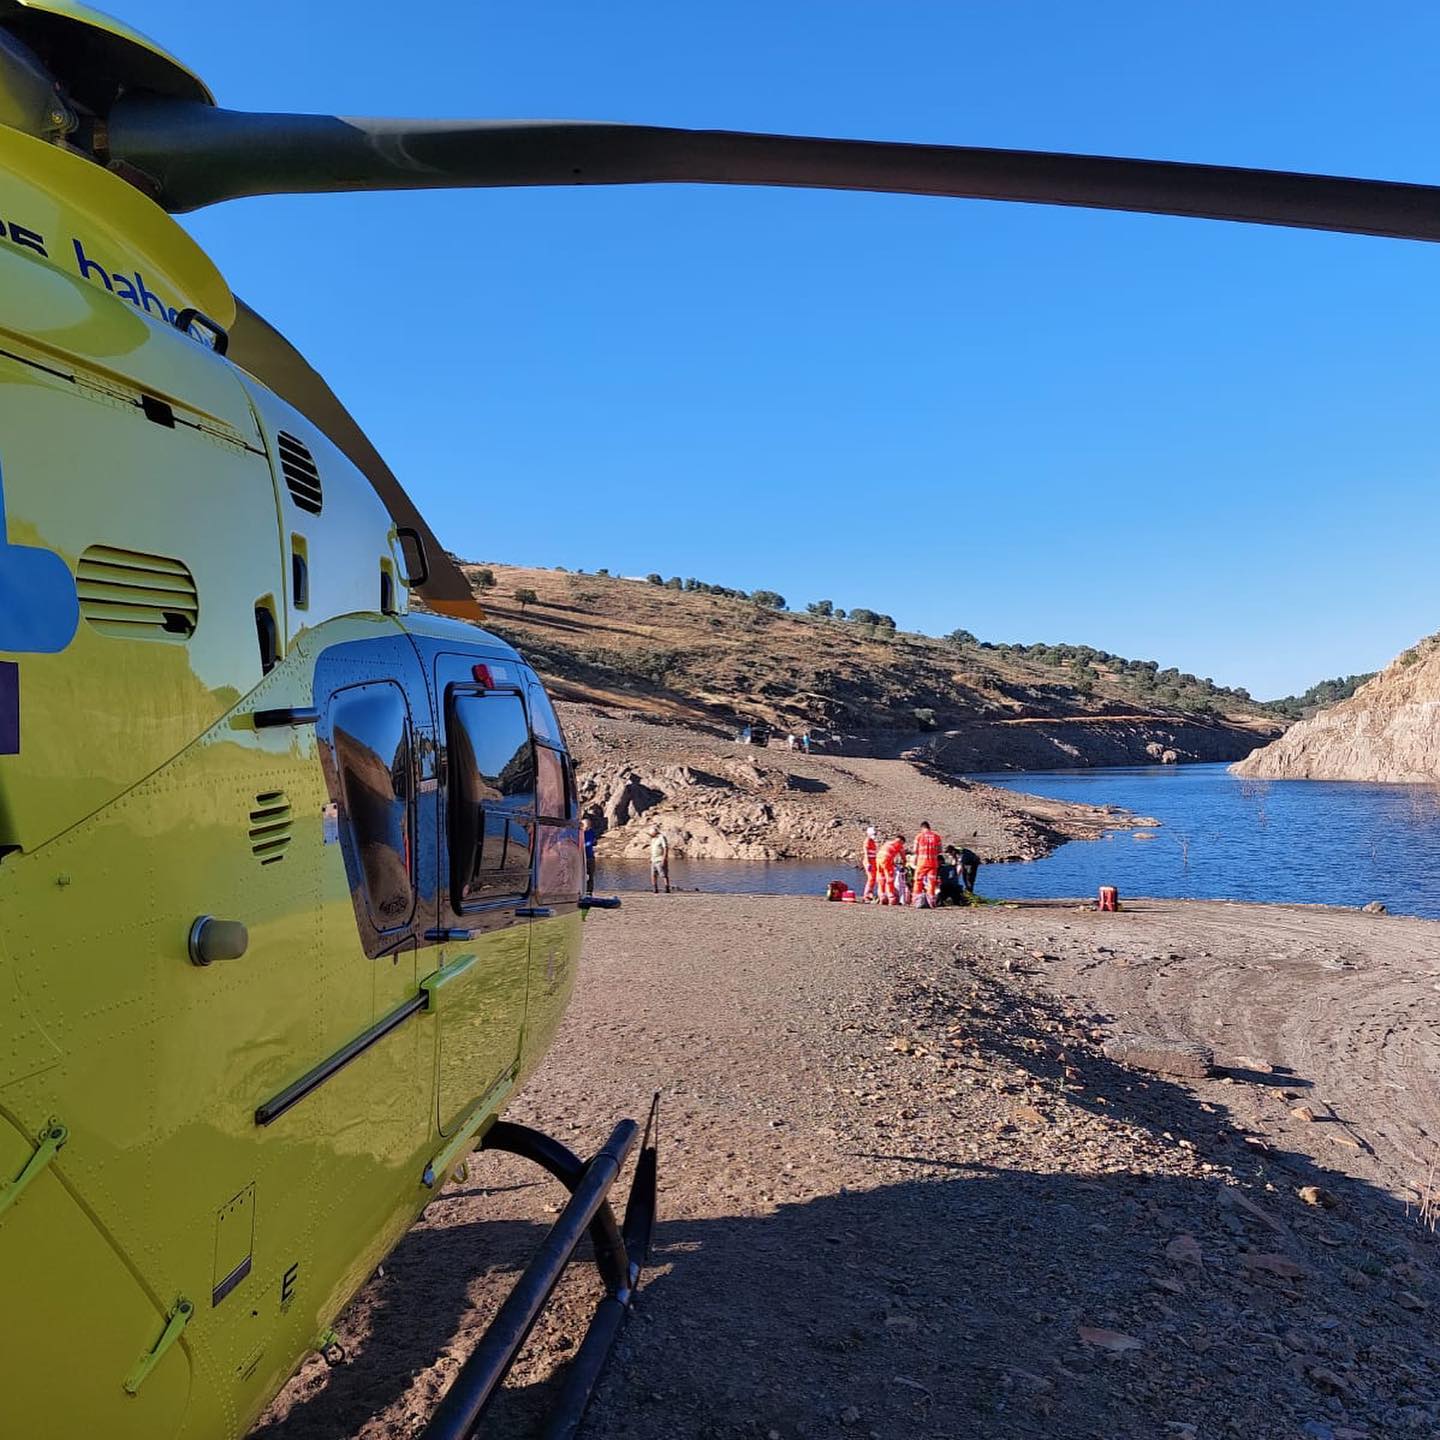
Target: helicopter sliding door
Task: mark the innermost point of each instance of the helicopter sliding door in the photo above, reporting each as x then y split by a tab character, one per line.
489	832
374	734
559	882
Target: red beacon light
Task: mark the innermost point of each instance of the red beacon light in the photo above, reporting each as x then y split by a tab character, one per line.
482	676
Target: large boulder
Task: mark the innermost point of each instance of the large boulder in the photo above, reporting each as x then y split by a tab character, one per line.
1185	1059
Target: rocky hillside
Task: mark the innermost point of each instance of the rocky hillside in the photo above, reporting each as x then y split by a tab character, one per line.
1388	731
717	660
718	800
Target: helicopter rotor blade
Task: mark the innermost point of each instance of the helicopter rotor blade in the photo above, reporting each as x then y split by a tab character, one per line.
257	346
199	155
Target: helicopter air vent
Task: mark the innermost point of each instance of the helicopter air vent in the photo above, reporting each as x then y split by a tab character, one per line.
270	827
302	475
137	596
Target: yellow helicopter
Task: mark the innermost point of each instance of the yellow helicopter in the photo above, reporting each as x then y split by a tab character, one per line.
290	874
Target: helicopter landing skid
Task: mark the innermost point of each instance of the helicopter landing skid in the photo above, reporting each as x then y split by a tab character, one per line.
621	1251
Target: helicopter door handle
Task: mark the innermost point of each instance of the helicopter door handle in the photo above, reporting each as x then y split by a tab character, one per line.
534	912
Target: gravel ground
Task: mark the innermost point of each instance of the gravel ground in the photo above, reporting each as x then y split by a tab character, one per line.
906	1193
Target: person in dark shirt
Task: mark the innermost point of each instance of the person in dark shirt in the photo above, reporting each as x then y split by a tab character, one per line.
587	836
969	867
952	889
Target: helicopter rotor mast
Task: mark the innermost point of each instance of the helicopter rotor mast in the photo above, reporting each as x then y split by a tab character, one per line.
200	155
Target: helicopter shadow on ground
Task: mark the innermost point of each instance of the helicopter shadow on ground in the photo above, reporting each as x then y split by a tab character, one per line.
941	1295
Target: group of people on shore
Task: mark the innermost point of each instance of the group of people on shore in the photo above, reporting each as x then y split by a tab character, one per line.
925	875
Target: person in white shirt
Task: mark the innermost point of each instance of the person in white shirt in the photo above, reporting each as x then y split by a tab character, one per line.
659	860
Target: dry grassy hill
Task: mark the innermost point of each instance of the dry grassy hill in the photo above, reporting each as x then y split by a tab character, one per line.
715	661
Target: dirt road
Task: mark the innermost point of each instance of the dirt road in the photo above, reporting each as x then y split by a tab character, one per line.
907	1194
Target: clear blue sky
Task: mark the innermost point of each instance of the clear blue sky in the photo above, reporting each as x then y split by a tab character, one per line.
1211	445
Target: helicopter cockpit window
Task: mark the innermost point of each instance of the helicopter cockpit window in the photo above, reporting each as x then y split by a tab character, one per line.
371	738
492	796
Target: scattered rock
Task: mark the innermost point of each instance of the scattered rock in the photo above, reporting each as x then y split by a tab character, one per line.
1280	1265
1185	1058
1303	1112
1184	1250
1111	1340
1240	1201
1375	907
1327	1379
1318	1196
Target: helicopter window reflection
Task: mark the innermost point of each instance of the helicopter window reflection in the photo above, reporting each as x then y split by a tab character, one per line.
371	736
552	789
492	796
544	718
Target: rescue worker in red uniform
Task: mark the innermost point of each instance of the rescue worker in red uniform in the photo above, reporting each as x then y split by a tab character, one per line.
892	853
927	866
870	863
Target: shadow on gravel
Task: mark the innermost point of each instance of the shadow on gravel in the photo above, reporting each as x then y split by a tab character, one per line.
1167	1280
1154	1272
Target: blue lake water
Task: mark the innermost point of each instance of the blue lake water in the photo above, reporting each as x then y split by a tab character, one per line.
1220	838
1223	838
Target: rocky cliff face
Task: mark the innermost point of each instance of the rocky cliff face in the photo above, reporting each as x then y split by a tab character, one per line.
1388	731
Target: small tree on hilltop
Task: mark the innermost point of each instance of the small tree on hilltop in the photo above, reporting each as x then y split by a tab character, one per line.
863	616
823	608
654	579
483	579
526	597
771	599
961	637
